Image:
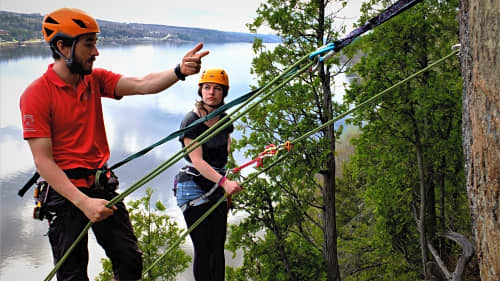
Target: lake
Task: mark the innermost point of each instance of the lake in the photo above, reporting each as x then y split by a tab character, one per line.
131	124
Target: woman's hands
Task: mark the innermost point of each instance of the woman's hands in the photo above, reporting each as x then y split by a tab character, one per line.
231	187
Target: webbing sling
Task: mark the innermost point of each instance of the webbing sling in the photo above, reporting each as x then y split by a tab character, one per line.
392	11
177	133
188	128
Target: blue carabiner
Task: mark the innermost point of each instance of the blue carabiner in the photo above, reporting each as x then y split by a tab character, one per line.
322	50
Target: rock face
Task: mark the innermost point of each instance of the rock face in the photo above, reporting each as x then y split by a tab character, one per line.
480	58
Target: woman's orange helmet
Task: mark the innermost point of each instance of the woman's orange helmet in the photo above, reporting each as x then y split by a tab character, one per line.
214	75
68	23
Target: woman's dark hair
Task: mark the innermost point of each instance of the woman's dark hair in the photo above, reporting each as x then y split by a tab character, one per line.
199	103
225	90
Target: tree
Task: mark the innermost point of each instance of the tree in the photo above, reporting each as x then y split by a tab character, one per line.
155	231
409	154
480	39
295	211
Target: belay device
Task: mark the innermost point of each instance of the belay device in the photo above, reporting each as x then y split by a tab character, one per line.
40	211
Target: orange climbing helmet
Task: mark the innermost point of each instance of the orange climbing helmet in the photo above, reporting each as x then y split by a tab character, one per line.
67	23
214	75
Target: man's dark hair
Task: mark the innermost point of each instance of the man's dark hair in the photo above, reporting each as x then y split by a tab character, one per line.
53	45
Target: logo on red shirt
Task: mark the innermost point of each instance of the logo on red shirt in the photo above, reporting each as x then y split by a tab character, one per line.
29	123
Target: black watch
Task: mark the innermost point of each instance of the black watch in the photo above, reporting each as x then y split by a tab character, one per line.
178	73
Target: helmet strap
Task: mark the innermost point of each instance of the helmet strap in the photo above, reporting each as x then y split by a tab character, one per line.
71	59
212	106
73	66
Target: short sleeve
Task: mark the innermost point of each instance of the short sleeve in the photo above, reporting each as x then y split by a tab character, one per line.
106	80
194	132
35	111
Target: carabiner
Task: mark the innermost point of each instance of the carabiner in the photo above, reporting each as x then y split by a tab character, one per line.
270	149
322	59
457	47
322	50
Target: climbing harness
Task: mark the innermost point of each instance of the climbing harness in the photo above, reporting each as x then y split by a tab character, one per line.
287	75
214	193
214	190
105	179
189	173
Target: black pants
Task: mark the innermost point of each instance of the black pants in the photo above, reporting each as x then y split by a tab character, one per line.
208	239
115	235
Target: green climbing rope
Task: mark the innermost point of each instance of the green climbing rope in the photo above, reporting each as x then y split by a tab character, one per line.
330	122
299	139
287	75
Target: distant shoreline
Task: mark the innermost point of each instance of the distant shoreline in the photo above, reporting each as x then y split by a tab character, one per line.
18	30
104	41
7	44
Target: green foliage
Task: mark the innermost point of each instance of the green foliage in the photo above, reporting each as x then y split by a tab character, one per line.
381	240
366	239
155	231
377	197
283	236
20	27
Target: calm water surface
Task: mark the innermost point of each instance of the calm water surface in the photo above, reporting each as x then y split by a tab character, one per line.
131	124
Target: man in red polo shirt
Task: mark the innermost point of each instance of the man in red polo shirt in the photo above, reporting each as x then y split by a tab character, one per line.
63	124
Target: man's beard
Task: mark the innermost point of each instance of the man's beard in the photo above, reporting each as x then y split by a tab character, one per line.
76	67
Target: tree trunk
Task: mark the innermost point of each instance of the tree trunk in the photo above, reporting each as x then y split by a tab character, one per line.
480	55
422	221
272	225
329	215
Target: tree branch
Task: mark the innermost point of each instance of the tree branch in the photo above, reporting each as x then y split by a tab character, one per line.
467	252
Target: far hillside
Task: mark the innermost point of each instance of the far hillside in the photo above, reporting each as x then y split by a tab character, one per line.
18	27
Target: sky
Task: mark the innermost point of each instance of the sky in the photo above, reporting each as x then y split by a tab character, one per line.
225	15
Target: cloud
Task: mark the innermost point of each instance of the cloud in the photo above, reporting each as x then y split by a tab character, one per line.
227	15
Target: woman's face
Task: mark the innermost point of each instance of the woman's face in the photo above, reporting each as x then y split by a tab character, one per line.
212	93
